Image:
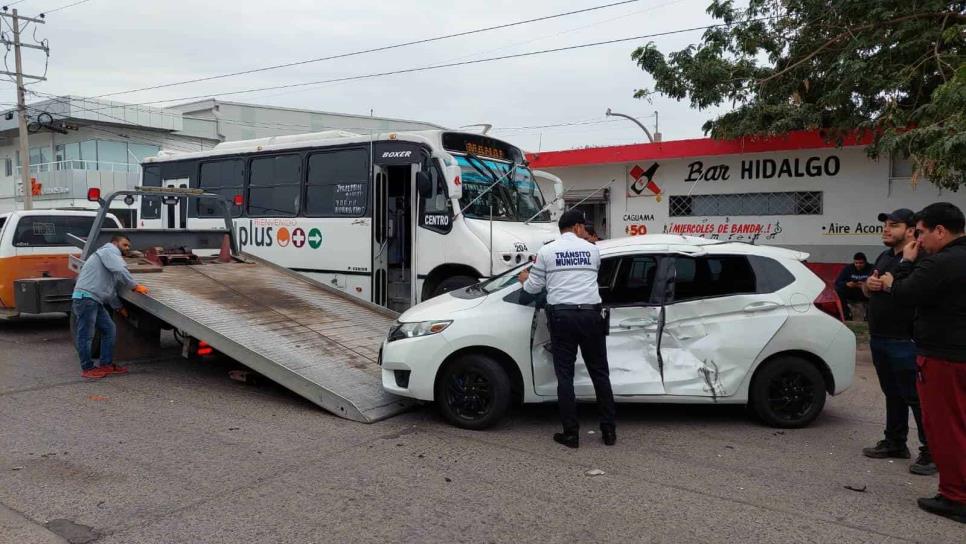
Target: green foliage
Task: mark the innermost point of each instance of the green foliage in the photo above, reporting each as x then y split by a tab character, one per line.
890	68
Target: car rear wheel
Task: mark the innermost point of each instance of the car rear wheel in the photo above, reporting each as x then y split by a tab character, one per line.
452	284
473	392
788	392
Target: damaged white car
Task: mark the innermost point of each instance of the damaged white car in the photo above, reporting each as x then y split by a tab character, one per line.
691	320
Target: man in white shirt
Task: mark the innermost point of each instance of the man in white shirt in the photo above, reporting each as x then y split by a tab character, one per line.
567	268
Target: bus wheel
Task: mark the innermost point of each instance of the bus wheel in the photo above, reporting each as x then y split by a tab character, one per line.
452	284
473	392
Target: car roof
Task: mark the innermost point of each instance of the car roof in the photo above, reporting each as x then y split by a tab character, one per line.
658	243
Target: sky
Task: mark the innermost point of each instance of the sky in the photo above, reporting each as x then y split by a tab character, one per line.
105	46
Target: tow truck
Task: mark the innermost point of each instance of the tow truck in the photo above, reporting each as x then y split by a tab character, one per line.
312	339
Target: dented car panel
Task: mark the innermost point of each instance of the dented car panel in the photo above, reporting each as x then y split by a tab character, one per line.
710	345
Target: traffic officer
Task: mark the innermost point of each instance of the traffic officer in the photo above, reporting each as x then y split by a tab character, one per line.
567	268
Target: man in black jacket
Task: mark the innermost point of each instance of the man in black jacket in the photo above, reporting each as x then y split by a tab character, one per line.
893	351
848	284
936	285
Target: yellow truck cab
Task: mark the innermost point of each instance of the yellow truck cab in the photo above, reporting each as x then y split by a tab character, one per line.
34	252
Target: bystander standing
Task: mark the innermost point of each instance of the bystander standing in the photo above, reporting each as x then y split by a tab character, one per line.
932	277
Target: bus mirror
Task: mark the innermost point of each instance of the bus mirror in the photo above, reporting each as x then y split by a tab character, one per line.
424	184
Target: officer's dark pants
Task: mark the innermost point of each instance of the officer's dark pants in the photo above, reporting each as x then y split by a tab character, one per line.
895	363
570	329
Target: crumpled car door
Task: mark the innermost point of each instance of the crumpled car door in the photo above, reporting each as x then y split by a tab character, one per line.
708	345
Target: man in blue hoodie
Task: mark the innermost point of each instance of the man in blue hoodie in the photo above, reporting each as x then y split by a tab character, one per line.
102	274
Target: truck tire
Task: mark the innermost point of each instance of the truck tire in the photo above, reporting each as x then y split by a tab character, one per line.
789	392
452	284
95	342
473	392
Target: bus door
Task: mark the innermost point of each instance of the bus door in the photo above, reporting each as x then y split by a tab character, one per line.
395	197
174	210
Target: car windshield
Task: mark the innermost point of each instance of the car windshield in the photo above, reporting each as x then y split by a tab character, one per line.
504	280
517	197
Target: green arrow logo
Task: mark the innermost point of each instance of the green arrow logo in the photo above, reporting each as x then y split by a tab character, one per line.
315	238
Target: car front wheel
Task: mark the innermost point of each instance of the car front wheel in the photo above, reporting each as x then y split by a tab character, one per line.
788	392
473	392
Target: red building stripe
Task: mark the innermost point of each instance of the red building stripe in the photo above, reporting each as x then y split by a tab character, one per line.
679	149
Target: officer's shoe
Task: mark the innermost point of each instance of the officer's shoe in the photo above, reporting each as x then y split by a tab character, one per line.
941	506
885	449
924	466
571	440
609	435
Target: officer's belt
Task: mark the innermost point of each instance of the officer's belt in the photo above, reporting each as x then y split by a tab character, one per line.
559	307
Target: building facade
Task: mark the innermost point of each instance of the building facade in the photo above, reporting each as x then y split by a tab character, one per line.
795	191
77	143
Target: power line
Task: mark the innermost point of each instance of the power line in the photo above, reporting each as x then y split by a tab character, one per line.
372	50
445	65
55	10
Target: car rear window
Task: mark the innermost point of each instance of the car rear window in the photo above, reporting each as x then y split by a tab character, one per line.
712	276
52	230
722	275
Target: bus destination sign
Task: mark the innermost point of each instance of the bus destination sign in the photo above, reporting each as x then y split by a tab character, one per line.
485	151
481	146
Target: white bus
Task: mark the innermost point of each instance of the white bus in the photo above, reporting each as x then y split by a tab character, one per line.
393	218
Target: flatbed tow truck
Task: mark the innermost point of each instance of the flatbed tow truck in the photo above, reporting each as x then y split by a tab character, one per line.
316	341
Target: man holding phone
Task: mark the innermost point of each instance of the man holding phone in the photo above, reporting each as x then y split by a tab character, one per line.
935	283
893	351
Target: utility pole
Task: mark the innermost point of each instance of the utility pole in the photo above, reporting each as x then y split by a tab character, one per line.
28	201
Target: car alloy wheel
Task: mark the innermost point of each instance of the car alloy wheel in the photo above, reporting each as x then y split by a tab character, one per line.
788	391
473	391
470	394
791	395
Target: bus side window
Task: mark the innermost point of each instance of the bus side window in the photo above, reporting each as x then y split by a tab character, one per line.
337	184
225	178
436	210
274	186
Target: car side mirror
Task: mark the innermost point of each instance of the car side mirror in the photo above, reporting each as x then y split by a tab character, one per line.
424	184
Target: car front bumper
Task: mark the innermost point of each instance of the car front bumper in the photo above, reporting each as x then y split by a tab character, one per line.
409	366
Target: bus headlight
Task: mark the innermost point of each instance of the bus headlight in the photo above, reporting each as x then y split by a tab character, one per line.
414	330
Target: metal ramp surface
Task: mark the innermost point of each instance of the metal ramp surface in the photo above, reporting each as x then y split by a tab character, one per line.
309	338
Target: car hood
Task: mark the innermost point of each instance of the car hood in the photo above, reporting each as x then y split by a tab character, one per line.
442	307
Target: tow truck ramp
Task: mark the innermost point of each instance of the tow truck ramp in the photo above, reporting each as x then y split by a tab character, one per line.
316	341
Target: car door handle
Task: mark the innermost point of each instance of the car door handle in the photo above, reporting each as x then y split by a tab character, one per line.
636	322
763	306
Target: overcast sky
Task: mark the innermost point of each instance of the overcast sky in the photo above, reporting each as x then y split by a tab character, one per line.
105	46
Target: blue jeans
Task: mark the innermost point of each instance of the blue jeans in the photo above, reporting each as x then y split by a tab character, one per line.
895	364
90	315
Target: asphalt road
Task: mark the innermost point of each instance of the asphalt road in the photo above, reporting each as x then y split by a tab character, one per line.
177	452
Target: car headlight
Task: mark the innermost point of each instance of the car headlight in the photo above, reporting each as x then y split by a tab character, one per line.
413	330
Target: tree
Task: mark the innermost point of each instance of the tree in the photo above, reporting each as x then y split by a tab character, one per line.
890	69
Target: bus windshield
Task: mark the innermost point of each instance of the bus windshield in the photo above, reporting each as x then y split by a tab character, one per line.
517	197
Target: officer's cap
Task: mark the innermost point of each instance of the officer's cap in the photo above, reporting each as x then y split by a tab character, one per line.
571	218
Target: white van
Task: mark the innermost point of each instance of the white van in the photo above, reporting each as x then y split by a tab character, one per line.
34	251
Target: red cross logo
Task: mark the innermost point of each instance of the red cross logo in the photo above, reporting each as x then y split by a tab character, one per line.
298	237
